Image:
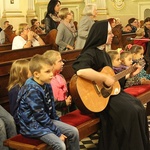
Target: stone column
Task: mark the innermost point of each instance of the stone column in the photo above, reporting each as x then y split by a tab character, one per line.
101	5
31	11
11	12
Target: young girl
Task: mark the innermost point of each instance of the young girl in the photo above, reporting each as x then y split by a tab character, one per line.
58	83
137	56
124	62
116	63
19	73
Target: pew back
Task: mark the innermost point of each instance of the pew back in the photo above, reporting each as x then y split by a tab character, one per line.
22	53
4	47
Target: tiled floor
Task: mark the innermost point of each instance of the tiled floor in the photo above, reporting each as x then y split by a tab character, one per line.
90	143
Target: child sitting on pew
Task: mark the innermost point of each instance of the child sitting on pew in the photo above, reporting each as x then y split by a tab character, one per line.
122	62
36	111
19	73
58	83
138	56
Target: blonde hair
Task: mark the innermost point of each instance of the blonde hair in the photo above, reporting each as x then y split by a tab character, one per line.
134	48
89	9
52	55
21	28
18	73
64	12
112	54
36	63
140	32
123	55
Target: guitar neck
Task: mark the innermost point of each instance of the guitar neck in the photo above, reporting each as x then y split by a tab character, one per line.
124	73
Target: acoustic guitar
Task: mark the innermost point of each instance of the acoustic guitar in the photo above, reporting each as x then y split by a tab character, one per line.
92	97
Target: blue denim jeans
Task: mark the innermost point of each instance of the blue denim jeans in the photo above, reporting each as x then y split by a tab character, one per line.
7	127
56	143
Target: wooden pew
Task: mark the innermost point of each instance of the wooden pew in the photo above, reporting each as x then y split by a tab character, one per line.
49	39
4	47
125	39
22	53
120	40
69	57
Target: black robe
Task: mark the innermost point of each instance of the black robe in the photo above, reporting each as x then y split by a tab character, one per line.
123	122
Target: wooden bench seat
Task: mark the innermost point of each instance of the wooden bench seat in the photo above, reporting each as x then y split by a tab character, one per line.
85	123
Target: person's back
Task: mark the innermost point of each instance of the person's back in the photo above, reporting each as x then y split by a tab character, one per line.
2	36
89	13
36	111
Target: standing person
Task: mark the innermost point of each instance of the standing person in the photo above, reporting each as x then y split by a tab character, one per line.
7	127
51	19
67	33
26	38
58	83
36	111
124	118
2	36
88	15
19	73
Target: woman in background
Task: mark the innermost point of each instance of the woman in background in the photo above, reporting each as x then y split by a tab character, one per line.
51	19
66	34
26	38
88	15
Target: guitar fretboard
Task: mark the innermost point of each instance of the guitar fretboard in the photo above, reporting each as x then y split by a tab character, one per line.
124	73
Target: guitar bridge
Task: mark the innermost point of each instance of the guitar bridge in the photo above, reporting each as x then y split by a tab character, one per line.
96	88
106	92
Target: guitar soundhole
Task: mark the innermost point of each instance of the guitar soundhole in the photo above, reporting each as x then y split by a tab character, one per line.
106	92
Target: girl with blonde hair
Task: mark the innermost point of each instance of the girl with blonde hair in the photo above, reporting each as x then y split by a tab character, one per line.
63	101
19	73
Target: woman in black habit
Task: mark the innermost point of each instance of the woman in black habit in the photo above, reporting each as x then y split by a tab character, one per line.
123	122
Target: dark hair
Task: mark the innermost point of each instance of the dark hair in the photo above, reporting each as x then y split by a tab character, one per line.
128	25
131	20
111	20
147	19
51	6
33	21
43	21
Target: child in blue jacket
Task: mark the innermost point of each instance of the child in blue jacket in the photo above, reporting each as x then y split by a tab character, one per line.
36	111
